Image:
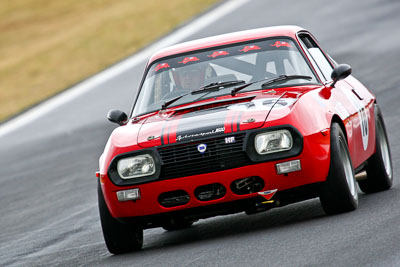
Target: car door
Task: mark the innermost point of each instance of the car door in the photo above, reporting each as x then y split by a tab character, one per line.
349	98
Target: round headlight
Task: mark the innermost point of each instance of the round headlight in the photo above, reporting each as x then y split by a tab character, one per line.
272	142
137	166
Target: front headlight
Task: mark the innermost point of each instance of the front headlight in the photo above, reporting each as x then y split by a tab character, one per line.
137	166
271	142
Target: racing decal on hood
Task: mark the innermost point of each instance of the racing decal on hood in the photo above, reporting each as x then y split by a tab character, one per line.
189	59
164	129
236	121
228	121
218	53
200	134
188	125
168	131
211	122
193	125
201	124
173	128
232	121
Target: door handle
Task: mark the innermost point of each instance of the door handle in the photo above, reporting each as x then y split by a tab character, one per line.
358	96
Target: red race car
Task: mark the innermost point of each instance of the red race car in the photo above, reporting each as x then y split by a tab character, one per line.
245	121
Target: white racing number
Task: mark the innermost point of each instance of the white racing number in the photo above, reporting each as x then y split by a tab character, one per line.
363	115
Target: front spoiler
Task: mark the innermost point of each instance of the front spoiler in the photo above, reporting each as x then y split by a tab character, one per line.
249	205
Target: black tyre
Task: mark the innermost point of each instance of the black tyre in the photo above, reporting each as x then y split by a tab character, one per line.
379	167
177	224
339	192
120	238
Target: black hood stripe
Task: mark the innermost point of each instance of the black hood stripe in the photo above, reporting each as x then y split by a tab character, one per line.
165	124
169	127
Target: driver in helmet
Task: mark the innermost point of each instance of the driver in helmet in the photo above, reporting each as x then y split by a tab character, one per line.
190	77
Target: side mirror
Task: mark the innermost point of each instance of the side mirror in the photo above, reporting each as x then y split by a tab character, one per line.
117	116
340	72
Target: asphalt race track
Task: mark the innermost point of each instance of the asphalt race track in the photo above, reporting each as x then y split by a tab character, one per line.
48	195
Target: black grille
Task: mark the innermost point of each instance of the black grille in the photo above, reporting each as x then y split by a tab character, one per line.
185	159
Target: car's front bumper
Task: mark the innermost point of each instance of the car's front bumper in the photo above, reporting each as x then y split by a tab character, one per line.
314	169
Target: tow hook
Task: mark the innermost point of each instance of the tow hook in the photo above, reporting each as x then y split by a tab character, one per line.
265	205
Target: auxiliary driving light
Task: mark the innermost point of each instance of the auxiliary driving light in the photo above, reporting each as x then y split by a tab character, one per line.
130	194
288	166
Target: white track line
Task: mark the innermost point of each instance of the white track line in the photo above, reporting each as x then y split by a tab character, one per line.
103	76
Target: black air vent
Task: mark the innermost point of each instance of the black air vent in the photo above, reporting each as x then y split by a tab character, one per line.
173	198
210	192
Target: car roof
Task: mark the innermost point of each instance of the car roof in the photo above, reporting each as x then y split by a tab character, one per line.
229	38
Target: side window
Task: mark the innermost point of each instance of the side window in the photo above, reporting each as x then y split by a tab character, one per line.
320	62
162	86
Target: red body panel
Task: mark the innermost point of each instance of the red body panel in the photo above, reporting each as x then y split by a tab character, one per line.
309	109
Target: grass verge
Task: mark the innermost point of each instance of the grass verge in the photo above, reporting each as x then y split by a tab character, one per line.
47	45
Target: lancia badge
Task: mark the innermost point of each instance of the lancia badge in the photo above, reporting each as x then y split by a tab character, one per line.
202	148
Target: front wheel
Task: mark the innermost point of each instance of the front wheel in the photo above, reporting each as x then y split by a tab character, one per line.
339	192
120	238
379	167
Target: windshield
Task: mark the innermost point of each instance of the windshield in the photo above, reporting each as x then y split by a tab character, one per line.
172	77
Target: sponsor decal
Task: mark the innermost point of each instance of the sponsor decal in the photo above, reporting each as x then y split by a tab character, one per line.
268	194
279	44
218	53
202	148
188	136
230	140
161	66
189	59
248	48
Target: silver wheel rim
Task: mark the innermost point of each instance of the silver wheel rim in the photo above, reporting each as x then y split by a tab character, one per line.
384	150
348	170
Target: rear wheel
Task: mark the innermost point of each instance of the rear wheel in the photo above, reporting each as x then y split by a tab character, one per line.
339	192
379	168
120	238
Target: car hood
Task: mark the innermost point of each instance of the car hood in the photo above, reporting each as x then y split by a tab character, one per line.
212	118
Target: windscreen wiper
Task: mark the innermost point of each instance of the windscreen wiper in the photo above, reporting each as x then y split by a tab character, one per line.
270	81
208	87
286	78
218	85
